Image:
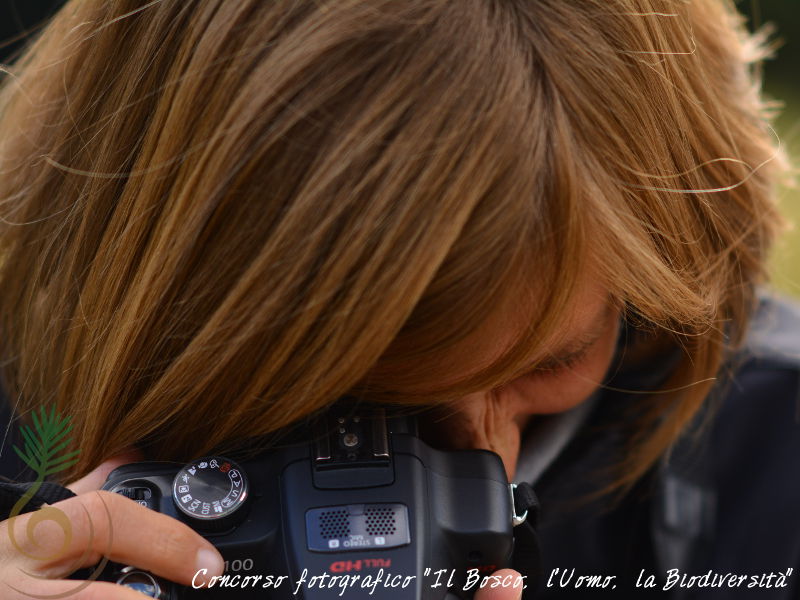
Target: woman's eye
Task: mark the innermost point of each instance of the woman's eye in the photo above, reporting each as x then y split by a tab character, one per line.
557	366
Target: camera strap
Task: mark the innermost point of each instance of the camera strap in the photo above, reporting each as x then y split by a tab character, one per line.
47	493
527	557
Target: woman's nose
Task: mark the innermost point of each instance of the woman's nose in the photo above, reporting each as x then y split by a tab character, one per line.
485	420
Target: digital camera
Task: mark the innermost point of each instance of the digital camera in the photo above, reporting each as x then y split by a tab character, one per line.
360	508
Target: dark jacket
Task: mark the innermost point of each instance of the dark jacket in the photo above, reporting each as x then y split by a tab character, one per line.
727	503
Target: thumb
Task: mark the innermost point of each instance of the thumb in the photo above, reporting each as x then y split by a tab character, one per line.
96	478
508	586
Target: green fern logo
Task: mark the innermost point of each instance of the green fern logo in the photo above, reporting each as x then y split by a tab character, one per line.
42	451
44	441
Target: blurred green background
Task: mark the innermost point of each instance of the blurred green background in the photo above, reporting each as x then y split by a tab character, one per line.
781	82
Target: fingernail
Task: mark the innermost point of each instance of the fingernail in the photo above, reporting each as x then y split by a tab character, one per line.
209	564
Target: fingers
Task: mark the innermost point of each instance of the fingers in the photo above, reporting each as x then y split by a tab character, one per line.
59	539
25	588
77	532
96	479
505	584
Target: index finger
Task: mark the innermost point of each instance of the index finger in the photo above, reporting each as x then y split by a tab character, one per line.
103	523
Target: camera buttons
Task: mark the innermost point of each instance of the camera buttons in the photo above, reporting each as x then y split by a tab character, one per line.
142	582
210	493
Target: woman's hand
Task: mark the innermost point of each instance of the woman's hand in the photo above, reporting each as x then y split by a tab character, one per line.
92	525
505	581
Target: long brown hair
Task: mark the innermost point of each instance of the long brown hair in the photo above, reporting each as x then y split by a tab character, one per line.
219	217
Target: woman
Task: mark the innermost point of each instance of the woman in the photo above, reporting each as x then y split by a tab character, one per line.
495	211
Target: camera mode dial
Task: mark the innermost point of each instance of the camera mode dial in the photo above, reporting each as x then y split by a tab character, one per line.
211	493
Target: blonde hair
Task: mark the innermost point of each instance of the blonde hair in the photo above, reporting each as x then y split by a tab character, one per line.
219	217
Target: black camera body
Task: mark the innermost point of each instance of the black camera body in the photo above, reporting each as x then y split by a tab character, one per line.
362	508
